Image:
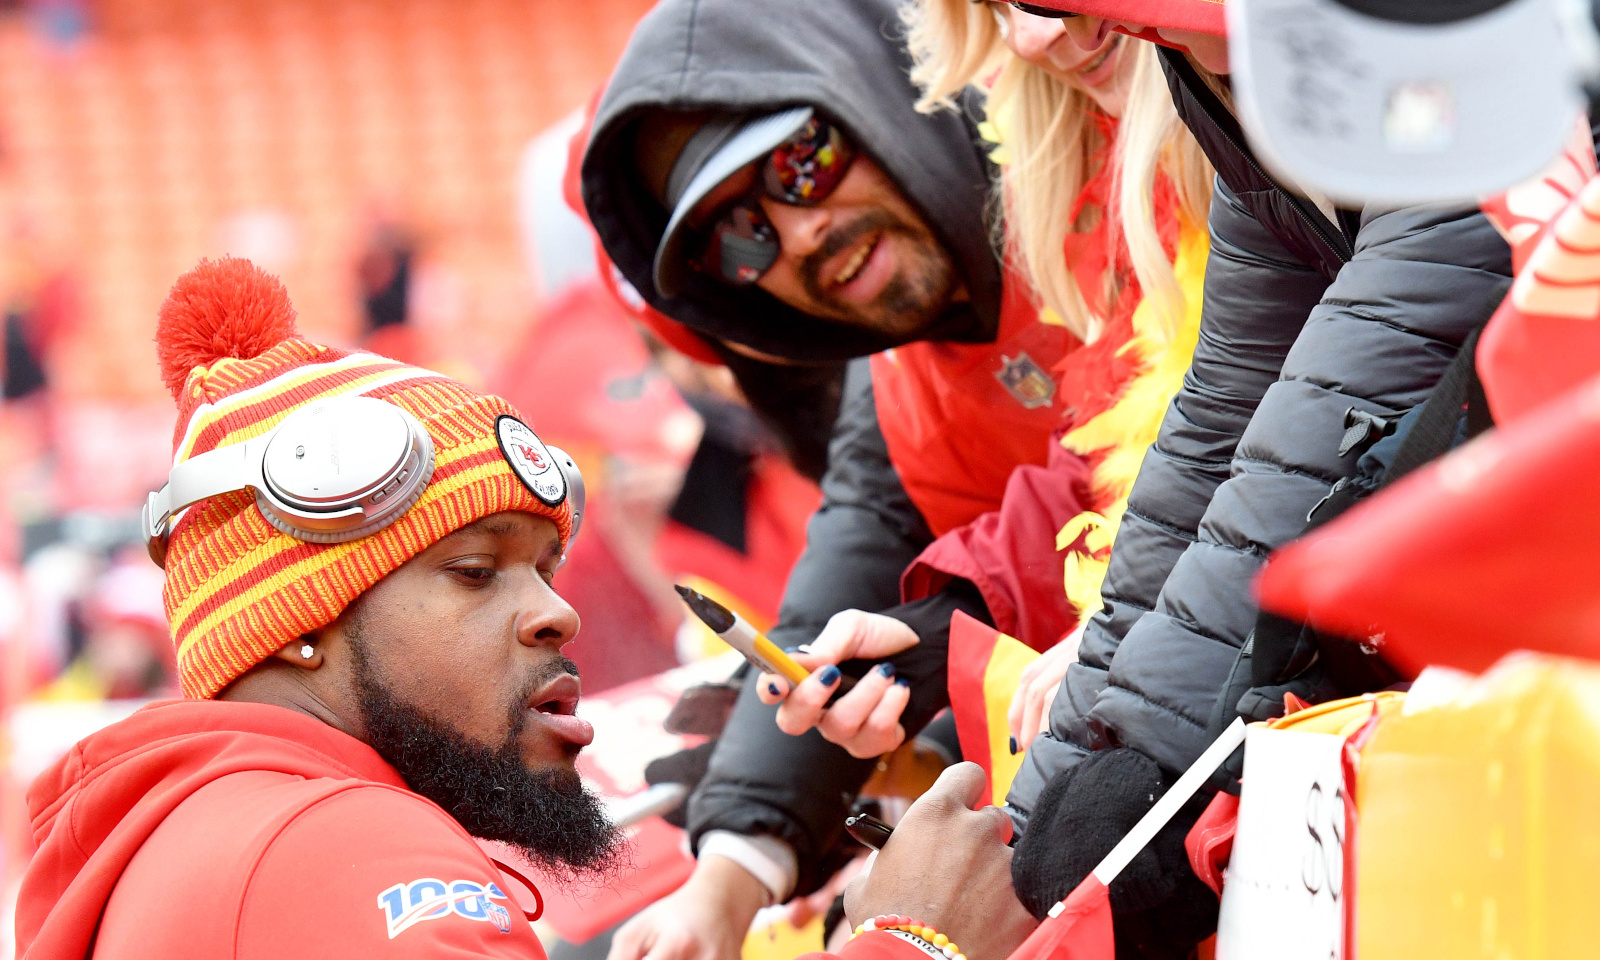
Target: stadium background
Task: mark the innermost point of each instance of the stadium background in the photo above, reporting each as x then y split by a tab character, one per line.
399	164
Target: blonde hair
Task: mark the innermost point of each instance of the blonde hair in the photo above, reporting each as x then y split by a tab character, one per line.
1051	142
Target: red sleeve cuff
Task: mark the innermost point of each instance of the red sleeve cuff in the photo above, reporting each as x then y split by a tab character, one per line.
874	945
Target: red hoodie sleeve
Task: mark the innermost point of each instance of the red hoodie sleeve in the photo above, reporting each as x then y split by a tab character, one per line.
378	873
1010	554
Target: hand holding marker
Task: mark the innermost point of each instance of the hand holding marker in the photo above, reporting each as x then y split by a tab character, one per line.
765	656
737	633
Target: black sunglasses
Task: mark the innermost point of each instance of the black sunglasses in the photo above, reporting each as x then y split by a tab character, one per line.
1034	10
740	245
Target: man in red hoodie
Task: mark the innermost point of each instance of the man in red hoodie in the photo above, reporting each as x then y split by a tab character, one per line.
359	561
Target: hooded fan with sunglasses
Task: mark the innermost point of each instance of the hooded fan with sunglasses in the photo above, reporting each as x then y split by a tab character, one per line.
758	172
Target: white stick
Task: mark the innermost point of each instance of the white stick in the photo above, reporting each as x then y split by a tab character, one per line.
659	799
1146	829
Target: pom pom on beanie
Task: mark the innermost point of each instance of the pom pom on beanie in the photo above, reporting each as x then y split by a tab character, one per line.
222	308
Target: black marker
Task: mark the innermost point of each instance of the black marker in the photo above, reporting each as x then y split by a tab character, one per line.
868	830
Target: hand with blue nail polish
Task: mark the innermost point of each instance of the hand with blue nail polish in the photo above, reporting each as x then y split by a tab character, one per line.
1029	714
865	721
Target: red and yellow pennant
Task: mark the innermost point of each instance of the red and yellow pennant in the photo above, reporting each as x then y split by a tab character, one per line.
985	669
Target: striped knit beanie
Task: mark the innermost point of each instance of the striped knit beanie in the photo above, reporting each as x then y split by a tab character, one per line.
237	589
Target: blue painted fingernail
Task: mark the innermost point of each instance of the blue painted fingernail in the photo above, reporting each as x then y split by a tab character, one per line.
901	682
1013	743
772	688
792	650
886	668
828	676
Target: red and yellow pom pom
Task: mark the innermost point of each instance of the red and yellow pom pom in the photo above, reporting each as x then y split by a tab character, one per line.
222	308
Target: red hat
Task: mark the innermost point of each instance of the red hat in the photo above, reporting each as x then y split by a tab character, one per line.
1490	549
1203	16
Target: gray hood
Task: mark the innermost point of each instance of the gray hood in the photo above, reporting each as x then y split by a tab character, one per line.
844	57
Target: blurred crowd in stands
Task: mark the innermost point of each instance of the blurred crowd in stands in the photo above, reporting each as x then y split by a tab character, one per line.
695	488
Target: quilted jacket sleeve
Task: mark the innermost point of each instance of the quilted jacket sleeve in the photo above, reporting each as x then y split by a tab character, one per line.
1249	445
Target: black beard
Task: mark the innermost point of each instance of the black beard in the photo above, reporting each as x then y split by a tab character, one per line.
910	301
547	815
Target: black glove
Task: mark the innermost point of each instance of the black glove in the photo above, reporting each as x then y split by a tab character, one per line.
1160	909
687	767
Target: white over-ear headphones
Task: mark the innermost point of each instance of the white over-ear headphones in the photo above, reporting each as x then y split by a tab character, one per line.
337	469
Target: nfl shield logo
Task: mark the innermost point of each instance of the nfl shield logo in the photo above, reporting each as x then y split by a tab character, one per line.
498	915
1026	381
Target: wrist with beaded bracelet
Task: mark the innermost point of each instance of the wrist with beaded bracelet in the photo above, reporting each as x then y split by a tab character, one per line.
895	923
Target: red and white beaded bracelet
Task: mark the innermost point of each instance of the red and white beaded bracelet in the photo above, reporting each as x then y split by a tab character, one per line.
890	922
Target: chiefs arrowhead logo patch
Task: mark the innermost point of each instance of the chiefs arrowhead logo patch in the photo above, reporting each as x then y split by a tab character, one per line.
530	460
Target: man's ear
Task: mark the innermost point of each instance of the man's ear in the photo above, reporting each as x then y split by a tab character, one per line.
303	652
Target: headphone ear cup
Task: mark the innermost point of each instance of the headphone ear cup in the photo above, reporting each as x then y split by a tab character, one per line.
156	547
405	498
344	470
575	489
155	538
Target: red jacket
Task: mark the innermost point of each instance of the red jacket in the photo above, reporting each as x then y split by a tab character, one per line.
959	418
199	829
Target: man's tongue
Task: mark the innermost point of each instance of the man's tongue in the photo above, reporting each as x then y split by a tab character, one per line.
568	726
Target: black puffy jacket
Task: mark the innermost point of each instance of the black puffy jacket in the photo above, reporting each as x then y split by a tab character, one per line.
1305	316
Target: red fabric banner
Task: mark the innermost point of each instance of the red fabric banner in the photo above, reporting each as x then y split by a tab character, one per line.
1082	931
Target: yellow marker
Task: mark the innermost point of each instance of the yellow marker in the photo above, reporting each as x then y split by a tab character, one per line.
737	633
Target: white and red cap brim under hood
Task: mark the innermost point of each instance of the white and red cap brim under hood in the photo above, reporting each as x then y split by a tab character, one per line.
1202	16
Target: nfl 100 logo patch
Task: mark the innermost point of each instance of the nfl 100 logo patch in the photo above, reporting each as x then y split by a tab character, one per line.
405	905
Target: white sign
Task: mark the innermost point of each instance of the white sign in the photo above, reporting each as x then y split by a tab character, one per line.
1283	896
